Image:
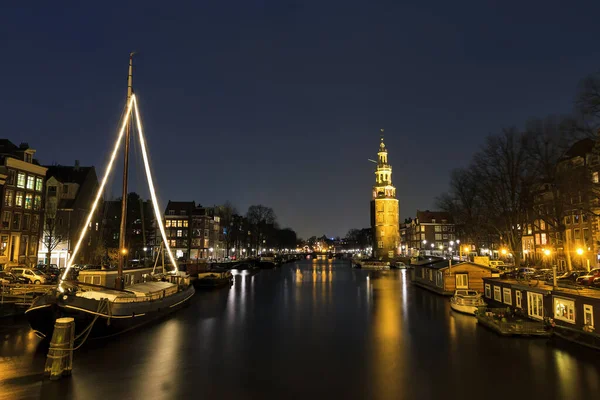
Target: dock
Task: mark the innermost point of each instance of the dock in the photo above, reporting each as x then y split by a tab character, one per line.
513	327
16	298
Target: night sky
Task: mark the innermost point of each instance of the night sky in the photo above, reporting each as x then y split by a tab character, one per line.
280	103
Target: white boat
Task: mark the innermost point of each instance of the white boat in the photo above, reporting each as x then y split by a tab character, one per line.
373	264
466	301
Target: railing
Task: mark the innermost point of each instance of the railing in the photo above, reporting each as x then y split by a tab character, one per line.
22	294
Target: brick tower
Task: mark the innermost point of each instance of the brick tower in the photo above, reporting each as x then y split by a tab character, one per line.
384	209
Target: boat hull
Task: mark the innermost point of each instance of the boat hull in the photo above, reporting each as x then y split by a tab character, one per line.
463	308
122	317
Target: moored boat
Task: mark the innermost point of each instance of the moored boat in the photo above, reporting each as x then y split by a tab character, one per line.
114	307
373	264
466	301
267	260
213	280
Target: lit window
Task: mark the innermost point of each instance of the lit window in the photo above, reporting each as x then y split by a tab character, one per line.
179	223
30	182
20	180
518	298
462	281
39	183
179	233
488	291
595	177
19	199
535	305
168	223
564	310
8	198
497	294
37	202
28	201
588	315
185	223
507	296
380	244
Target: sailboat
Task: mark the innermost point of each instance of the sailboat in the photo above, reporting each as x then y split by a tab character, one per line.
112	308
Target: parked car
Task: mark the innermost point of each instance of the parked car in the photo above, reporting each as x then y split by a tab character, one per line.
596	283
53	273
589	277
7	277
543	274
570	276
31	274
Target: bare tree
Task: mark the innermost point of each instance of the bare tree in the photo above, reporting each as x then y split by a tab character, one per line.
54	232
260	218
226	212
504	175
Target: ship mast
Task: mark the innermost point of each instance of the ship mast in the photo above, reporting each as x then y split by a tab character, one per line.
120	284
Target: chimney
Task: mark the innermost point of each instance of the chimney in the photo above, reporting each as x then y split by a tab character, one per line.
76	165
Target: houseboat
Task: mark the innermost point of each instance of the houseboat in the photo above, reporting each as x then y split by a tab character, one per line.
572	312
446	276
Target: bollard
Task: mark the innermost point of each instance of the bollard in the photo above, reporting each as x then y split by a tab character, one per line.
59	361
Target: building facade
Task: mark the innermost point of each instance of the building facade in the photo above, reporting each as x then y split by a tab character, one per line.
22	204
385	209
431	232
565	216
70	192
194	232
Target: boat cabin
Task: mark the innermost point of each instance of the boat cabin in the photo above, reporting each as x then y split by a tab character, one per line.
441	277
107	277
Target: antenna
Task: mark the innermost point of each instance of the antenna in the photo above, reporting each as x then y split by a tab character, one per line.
373	161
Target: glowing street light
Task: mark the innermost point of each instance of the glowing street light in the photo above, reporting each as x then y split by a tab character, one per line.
580	251
124	251
547	252
503	251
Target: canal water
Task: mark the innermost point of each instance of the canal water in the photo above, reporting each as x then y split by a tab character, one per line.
309	330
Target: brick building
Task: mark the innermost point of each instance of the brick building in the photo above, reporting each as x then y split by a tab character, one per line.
22	182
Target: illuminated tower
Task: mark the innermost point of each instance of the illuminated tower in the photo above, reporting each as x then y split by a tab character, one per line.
384	209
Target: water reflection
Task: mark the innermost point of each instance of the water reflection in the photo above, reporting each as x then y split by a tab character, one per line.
313	329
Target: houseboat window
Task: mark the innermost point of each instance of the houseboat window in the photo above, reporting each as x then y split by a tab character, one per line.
518	296
564	310
462	281
423	273
507	296
497	294
96	279
535	305
440	279
588	315
431	275
488	291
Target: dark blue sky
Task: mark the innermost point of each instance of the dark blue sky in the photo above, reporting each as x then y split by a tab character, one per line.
280	102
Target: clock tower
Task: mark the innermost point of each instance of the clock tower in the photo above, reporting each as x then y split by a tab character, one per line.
384	209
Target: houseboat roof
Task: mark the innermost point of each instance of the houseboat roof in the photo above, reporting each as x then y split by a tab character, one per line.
442	264
544	287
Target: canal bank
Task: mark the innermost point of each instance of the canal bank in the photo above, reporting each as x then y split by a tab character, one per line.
307	330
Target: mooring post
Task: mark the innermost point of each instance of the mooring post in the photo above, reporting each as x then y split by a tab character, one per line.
59	361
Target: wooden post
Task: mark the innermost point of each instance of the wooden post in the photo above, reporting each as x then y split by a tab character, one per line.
59	361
